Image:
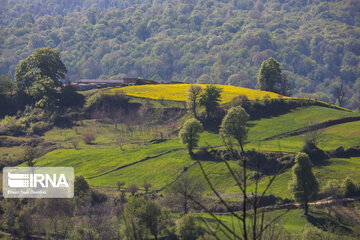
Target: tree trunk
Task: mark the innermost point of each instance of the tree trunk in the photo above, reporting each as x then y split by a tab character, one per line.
242	148
306	208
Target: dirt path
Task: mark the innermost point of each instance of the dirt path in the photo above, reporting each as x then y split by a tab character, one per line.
330	200
314	127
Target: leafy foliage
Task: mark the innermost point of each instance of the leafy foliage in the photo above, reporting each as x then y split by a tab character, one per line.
187	229
42	63
211	99
189	134
234	126
194	93
304	186
350	189
269	75
194	41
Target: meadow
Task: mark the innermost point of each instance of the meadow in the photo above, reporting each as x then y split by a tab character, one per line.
138	159
293	222
104	156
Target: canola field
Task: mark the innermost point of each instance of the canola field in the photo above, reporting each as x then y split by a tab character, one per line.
178	92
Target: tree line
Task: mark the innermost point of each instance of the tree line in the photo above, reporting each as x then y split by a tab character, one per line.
223	42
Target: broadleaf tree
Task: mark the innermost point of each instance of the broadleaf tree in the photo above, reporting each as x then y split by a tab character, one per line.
189	134
304	186
39	75
193	99
271	79
233	126
43	62
210	99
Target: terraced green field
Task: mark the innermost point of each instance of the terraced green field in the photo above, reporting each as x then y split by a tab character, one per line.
137	161
104	157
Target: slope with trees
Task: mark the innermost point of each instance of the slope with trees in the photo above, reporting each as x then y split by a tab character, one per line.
316	42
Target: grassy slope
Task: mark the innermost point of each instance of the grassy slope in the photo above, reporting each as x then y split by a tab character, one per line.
292	222
100	158
345	134
104	156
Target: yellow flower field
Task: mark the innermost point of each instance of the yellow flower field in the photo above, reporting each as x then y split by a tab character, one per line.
178	92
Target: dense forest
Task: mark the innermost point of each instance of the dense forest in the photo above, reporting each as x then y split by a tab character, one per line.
317	42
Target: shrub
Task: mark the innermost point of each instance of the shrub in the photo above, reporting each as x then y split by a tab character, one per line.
350	189
332	188
315	154
29	156
81	186
88	138
93	100
187	229
241	100
12	125
70	98
40	127
75	144
120	184
97	197
132	188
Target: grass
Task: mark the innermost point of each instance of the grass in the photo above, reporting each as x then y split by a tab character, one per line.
293	222
178	92
91	162
336	168
346	134
158	171
157	103
104	155
105	133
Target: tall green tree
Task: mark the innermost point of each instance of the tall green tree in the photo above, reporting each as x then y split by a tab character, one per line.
45	94
43	62
141	215
233	126
189	134
211	99
304	186
6	85
81	186
151	217
188	229
269	75
185	192
193	99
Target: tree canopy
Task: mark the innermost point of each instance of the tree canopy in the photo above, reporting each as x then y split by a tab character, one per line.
210	99
193	99
269	74
42	63
304	186
189	134
209	42
234	126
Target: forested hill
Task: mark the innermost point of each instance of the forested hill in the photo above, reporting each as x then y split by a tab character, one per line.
317	42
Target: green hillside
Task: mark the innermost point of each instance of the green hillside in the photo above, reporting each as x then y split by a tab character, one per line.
145	148
94	160
182	119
